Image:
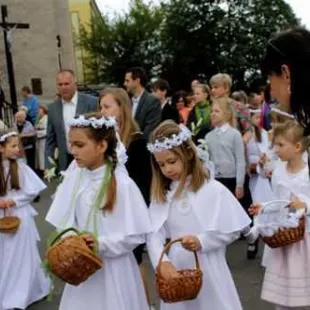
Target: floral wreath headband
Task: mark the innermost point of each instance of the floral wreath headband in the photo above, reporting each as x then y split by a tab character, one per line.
171	142
276	110
8	135
82	122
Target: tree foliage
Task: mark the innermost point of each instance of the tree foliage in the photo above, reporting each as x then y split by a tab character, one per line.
127	40
185	39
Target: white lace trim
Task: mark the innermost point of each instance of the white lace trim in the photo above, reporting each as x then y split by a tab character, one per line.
81	121
8	135
171	142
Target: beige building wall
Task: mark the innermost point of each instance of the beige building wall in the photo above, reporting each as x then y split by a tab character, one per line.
82	14
34	50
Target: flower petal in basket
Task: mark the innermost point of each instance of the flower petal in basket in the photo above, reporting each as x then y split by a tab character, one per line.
286	227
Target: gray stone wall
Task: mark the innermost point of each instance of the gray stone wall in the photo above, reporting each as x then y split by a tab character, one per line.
34	50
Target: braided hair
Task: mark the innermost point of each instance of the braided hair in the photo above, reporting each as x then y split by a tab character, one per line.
108	135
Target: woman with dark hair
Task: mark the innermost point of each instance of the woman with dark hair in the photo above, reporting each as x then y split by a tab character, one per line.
287	65
179	100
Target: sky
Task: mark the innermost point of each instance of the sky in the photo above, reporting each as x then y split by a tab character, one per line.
300	7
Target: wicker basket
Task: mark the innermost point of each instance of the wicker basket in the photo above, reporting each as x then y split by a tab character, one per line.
70	258
286	236
185	287
9	224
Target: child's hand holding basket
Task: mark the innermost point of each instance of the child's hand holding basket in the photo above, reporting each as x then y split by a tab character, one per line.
177	285
73	258
281	222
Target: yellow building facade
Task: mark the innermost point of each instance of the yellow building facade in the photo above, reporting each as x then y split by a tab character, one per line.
82	13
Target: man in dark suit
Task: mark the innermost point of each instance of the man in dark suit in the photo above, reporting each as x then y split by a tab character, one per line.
70	104
160	90
145	108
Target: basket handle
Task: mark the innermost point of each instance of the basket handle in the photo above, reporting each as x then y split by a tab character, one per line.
58	236
264	204
168	246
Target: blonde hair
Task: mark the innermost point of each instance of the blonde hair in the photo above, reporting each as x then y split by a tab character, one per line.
222	78
225	105
293	132
128	125
187	154
205	89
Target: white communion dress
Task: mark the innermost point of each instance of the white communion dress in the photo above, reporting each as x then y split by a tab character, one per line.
118	284
22	280
259	185
216	218
287	276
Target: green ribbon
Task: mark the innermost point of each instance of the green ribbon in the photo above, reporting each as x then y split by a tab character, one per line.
97	204
93	214
203	106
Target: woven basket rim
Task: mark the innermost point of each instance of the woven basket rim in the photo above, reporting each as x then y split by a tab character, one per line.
85	252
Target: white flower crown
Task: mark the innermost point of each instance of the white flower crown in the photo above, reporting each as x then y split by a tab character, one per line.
8	135
282	113
171	142
81	121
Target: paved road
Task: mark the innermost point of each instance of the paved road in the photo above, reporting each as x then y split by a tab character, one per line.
247	274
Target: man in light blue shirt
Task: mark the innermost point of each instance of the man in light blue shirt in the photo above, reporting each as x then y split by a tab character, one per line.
32	104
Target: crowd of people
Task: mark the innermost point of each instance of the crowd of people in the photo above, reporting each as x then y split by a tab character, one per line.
141	168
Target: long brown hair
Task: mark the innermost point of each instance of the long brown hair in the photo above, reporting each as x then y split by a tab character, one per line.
257	129
108	135
13	175
188	155
127	125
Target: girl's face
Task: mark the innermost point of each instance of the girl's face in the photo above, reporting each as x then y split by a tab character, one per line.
41	112
10	149
200	95
280	89
256	119
217	115
170	164
286	149
87	152
110	107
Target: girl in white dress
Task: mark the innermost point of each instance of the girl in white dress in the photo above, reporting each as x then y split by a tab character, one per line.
99	197
187	204
287	277
22	281
256	148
